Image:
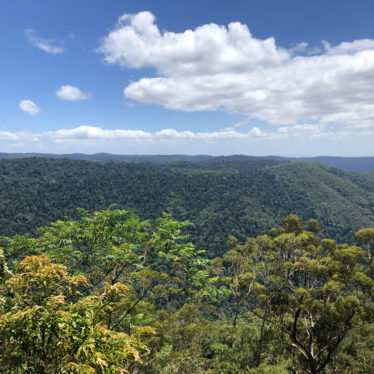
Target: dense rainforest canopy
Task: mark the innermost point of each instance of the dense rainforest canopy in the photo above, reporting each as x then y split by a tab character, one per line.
112	293
345	163
220	196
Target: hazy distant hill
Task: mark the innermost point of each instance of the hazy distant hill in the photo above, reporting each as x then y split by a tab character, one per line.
210	162
219	201
346	163
235	162
107	157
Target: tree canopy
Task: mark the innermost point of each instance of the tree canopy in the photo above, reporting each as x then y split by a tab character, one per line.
244	197
108	292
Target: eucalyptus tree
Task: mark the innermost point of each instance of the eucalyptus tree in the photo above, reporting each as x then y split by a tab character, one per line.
317	292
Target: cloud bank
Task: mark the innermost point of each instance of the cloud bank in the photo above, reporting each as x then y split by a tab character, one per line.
216	67
29	107
71	93
300	140
86	134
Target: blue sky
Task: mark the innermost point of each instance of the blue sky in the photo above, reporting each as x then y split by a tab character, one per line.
292	78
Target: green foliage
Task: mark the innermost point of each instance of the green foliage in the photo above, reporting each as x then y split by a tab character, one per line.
108	292
292	224
316	296
314	227
238	273
47	325
313	293
55	319
115	245
365	238
221	197
3	265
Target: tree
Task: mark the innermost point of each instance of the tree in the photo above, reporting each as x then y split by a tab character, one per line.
111	293
3	265
82	313
317	293
48	326
237	272
153	258
365	238
314	227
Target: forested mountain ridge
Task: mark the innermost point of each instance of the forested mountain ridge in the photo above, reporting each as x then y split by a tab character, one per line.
237	200
205	161
346	163
236	162
108	157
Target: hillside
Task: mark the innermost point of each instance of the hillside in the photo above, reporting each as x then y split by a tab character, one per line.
241	200
208	162
346	163
107	157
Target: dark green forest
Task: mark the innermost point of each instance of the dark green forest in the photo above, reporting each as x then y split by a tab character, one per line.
220	196
345	163
222	265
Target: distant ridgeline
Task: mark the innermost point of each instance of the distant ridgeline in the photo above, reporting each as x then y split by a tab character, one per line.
345	163
221	196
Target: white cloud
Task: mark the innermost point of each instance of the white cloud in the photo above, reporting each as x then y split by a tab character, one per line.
294	140
29	107
226	68
7	135
85	133
137	42
46	45
71	93
300	47
89	133
349	47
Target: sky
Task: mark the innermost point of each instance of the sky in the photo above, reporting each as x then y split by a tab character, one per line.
269	77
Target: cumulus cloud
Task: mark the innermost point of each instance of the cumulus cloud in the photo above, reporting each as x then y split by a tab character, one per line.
216	67
71	93
296	140
298	48
46	45
29	107
137	42
96	134
349	47
84	133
